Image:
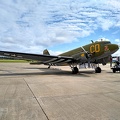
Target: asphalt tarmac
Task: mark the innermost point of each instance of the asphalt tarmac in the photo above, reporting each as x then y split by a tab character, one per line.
33	92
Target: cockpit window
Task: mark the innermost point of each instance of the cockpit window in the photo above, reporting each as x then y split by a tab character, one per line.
107	42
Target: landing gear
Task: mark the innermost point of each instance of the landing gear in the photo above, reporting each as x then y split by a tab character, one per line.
49	67
74	70
97	70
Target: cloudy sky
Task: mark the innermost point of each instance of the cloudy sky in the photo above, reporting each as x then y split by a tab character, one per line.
58	25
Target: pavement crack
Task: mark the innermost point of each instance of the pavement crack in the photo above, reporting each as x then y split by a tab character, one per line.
36	99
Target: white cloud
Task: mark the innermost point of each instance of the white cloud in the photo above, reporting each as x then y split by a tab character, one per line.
33	25
117	40
104	39
55	52
117	53
105	23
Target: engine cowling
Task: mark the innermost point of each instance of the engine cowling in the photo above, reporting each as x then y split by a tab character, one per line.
82	57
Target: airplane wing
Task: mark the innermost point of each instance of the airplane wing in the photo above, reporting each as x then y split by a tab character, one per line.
44	59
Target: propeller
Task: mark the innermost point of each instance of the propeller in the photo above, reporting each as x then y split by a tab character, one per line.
88	56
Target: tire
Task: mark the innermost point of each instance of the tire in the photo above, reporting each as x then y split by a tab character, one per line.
97	70
75	70
114	71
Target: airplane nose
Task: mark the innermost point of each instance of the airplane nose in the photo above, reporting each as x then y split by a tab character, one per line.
113	47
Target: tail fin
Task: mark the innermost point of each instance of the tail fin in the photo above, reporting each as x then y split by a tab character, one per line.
45	52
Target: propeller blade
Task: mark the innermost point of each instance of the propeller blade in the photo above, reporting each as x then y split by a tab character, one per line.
88	56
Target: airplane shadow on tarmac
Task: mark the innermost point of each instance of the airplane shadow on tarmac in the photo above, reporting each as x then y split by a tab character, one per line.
46	71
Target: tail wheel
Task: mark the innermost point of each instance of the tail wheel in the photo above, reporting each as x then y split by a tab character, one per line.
114	71
74	70
97	70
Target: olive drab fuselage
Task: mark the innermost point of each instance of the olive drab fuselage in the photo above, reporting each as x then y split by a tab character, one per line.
96	49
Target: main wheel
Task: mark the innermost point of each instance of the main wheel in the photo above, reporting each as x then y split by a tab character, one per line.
74	70
49	67
114	71
97	70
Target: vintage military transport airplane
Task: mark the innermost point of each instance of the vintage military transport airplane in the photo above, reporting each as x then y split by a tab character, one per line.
93	53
